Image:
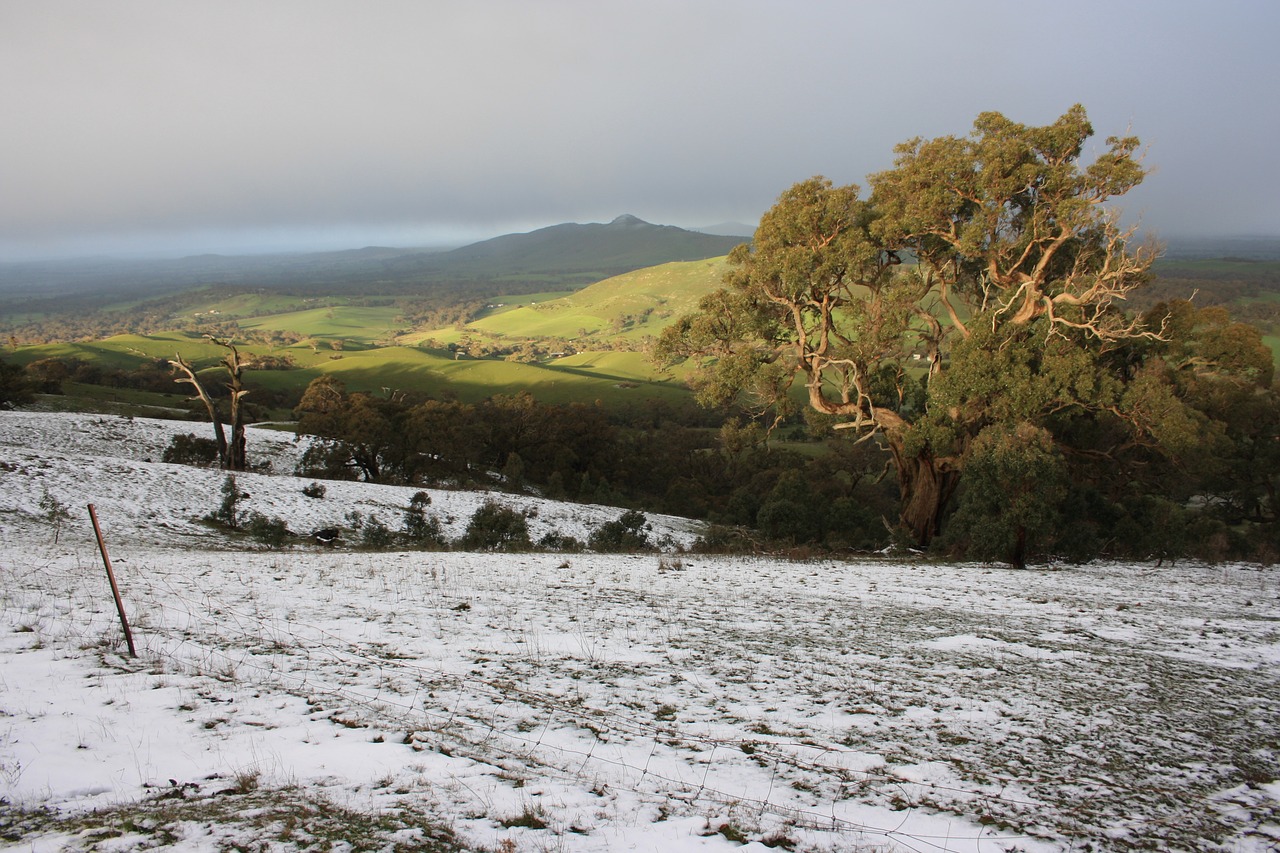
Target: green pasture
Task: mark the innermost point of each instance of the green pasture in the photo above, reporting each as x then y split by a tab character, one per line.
623	366
256	305
126	352
607	378
413	370
678	285
349	322
530	322
664	291
503	304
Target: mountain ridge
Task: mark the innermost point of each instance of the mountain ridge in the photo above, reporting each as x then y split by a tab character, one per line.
626	243
572	253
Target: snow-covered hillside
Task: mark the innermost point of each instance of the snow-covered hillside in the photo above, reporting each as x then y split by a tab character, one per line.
113	462
320	699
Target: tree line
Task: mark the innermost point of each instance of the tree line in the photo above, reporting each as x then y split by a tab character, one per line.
642	458
1102	496
1093	497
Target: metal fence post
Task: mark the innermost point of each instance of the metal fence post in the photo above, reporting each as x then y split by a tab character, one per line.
111	576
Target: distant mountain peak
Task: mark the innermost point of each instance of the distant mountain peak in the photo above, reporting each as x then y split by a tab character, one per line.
628	219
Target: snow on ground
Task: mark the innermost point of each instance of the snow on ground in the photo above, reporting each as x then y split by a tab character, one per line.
113	462
589	702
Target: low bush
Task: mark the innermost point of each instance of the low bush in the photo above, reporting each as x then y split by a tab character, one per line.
419	527
188	449
624	536
376	535
228	514
724	539
272	532
561	543
54	513
314	490
495	527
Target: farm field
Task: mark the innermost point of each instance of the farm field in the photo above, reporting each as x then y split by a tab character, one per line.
310	698
612	378
652	298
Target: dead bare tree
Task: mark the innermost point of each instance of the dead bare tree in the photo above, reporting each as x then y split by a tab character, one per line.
232	452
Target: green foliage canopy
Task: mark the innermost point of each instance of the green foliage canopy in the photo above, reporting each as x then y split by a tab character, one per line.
976	292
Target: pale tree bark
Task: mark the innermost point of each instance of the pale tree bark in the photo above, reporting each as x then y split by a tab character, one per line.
232	452
237	445
220	435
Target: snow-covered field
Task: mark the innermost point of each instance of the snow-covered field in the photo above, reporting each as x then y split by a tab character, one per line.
340	699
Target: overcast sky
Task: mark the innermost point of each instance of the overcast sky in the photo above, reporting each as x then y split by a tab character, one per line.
177	127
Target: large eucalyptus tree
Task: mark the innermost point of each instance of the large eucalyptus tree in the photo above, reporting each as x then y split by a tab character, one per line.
978	285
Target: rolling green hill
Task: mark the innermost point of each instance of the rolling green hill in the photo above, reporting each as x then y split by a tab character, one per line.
347	335
348	322
611	378
411	369
126	352
627	307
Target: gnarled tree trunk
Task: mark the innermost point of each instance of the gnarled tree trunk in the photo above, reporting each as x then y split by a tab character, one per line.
925	486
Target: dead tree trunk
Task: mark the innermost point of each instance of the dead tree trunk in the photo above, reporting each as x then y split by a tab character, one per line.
237	446
179	363
232	453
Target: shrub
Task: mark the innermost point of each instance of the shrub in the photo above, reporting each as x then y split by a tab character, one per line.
314	490
54	512
724	539
560	542
495	527
419	527
228	514
272	532
188	449
625	535
376	535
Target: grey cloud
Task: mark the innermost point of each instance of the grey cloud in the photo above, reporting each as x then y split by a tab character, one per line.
136	120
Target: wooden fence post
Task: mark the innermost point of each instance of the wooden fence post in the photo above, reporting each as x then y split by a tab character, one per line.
111	576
